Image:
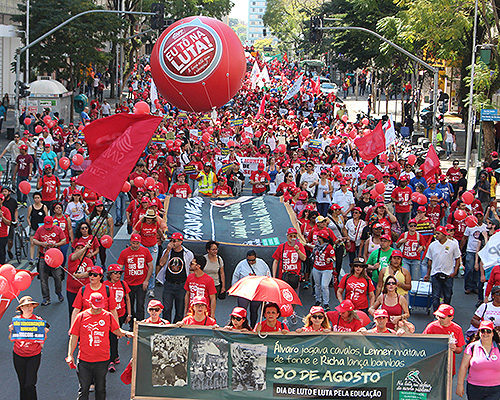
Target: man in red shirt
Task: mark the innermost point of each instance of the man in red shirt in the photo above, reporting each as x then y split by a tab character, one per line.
260	180
138	266
435	210
198	283
401	197
445	326
48	236
5	221
180	188
50	187
91	330
140	170
289	255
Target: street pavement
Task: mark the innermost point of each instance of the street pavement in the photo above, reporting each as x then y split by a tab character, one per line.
56	381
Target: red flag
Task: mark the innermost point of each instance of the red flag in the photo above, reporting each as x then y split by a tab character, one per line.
316	86
285	57
372	144
431	163
115	144
262	107
373	170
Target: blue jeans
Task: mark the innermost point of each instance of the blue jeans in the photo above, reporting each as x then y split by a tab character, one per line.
471	276
413	266
441	288
120	207
21	197
449	148
154	253
64	250
323	208
173	293
322	285
423	266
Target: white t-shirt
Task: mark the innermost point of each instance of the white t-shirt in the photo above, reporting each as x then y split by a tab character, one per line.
474	234
355	233
443	256
344	200
492	313
309	178
106	109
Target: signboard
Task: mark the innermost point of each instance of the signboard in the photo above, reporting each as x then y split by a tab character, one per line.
352	171
28	329
47	103
490	115
247	164
198	363
236	122
315	144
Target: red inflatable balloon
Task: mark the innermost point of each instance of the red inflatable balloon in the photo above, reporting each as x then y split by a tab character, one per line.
4	286
21	281
27	121
149	181
54	257
414	196
169	143
139	181
468	198
106	241
365	121
38	129
282	148
51	124
373	193
421	199
380	188
64	163
286	310
24	187
8	272
141	107
198	63
412	159
460	215
47	119
126	187
471	221
78	159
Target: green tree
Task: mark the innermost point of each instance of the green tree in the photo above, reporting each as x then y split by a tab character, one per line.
240	28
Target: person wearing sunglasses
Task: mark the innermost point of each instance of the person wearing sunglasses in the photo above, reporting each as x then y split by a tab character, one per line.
154	310
79	266
380	317
239	320
391	301
315	321
489	311
482	360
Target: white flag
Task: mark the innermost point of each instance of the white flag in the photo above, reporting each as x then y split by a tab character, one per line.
295	88
254	75
490	253
153	96
389	131
264	77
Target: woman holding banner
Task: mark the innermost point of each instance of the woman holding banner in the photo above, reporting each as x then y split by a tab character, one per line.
199	313
315	321
27	353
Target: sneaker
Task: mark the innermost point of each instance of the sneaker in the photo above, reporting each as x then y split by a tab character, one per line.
45	303
11	256
318	303
117	360
111	367
60	297
151	293
326	307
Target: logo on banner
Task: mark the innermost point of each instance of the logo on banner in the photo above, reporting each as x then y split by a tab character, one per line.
190	52
413	383
287	295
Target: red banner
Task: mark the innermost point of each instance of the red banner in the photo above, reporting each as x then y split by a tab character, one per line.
372	144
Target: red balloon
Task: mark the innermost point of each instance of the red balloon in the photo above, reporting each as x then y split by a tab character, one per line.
353	134
412	159
305	131
422	199
21	281
149	181
139	181
380	188
126	187
415	196
4	286
64	162
78	159
51	124
205	138
230	143
282	148
106	241
286	310
47	119
373	193
8	272
468	197
345	118
471	221
24	187
141	107
54	257
460	215
38	129
203	70
365	121
27	121
169	143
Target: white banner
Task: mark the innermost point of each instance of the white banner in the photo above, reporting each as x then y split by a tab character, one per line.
490	253
153	96
254	75
389	131
247	164
295	88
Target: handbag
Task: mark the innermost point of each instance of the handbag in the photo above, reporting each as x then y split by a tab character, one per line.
292	279
351	246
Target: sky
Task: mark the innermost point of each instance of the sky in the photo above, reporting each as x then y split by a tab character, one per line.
240	10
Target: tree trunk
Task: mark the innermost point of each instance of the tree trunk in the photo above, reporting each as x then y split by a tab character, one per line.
488	139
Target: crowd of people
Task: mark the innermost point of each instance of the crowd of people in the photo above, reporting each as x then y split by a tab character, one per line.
392	222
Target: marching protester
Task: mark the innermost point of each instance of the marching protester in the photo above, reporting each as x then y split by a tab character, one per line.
315	321
238	320
198	313
271	323
199	284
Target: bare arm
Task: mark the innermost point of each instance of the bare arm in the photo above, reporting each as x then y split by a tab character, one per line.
462	371
213	304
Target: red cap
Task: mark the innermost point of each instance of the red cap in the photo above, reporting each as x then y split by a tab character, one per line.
260	167
79	243
97	270
145	199
291	231
444	310
199	300
412	221
442	178
310	207
442	229
177	236
303	195
403	178
323	233
239	312
135	237
431	181
380	313
155	303
47	145
96	300
335	206
115	268
48	220
386	237
346	305
343	182
494	154
397	253
421	208
357	209
23	147
316	310
99	203
377	225
486	325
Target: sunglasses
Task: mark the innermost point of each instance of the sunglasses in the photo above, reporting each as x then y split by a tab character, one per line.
251	260
236	318
84	227
390	283
117	272
94	274
485	331
154	310
317	316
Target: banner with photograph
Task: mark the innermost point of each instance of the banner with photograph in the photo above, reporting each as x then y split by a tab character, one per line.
198	363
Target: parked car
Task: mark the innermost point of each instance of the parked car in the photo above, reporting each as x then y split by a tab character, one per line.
329	87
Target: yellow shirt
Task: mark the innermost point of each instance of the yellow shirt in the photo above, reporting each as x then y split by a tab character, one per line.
493	185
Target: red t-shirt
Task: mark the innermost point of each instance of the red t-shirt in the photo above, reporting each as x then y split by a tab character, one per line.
453	174
89	239
93	331
202	286
49	185
320	260
260	177
411	245
357	289
160	321
82	302
28	348
402	195
288	258
339	325
4	229
313	235
284	187
222	191
73	285
138	214
119	290
62	222
136	265
435	214
280	326
52	236
208	321
454	330
133	189
148	233
180	190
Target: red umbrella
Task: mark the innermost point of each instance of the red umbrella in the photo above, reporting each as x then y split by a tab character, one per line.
265	288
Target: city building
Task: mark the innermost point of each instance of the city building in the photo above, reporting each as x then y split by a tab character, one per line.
10	40
256	29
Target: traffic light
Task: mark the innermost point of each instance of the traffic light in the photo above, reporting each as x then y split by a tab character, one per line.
158	20
23	89
315	31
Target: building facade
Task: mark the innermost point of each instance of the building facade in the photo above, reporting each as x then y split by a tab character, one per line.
256	29
9	42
